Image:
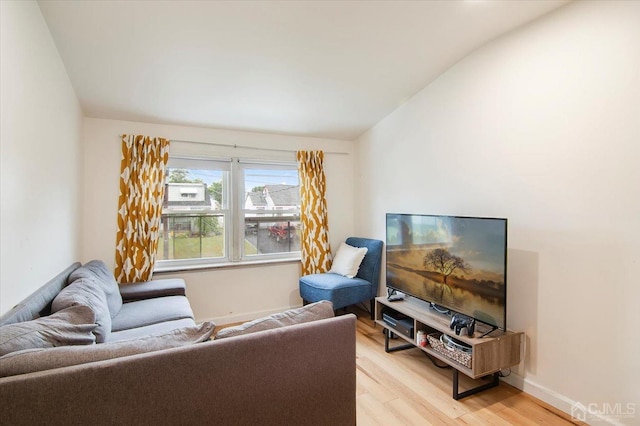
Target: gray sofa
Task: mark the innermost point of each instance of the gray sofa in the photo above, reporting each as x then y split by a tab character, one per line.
155	365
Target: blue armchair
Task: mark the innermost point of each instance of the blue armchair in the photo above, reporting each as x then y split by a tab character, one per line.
343	291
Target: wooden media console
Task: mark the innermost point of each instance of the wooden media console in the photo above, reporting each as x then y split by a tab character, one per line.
488	356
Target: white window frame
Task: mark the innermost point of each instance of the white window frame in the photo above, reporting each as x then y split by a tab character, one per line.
239	212
233	212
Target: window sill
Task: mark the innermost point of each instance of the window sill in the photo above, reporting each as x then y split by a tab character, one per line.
249	263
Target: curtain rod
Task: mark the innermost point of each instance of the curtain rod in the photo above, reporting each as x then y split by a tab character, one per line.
253	147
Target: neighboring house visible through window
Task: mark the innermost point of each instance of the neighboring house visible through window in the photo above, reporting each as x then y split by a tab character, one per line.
228	210
262	204
197	195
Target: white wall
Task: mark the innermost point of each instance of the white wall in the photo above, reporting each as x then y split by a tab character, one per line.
40	172
223	294
541	126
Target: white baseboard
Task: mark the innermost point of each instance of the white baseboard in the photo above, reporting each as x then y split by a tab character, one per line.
246	316
547	395
559	401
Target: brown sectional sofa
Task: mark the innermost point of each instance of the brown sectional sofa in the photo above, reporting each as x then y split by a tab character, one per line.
294	374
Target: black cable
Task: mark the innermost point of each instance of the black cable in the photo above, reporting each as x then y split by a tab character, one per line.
433	361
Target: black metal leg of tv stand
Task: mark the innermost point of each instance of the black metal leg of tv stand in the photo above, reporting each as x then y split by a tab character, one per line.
495	381
387	336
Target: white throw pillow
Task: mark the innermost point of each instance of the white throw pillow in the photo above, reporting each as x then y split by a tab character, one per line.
347	260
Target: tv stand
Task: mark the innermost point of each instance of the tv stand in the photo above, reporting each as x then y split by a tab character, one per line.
489	354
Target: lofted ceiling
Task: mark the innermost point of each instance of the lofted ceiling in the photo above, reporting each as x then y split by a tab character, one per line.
314	68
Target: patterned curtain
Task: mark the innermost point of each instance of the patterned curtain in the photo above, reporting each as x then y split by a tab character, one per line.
314	241
142	171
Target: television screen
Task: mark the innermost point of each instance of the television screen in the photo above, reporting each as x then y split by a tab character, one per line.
459	263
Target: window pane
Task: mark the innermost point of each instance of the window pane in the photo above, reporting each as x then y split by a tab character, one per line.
271	189
188	236
195	189
194	211
264	236
271	210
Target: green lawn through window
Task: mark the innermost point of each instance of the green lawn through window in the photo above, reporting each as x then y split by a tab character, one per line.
184	247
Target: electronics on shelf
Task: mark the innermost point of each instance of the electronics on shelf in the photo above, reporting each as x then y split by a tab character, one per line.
462	322
399	322
453	344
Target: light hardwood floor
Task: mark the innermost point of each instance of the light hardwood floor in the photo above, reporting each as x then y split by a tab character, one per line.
406	388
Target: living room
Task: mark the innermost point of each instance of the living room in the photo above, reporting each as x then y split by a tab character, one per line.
539	125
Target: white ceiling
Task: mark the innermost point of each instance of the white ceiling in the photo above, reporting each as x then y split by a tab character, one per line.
315	68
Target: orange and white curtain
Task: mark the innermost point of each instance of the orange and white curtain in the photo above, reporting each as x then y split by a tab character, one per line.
142	172
314	241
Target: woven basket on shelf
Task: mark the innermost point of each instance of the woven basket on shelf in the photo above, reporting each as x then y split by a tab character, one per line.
457	355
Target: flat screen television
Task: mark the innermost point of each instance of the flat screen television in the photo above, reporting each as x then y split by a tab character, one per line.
453	262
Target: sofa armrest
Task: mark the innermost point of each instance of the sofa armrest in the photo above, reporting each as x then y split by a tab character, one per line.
151	289
301	374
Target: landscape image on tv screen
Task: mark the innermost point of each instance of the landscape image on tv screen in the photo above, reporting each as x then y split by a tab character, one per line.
455	262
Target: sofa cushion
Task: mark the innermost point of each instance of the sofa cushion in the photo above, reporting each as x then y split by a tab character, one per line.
97	272
70	326
38	303
151	311
148	330
311	312
154	288
87	293
46	359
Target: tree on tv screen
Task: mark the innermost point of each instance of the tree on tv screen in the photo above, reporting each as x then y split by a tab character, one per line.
445	263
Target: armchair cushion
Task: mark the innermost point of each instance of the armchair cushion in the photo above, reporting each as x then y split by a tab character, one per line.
372	262
347	260
340	290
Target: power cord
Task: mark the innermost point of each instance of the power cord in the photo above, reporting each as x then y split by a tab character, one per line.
439	309
433	361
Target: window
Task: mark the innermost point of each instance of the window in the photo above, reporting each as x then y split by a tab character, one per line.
228	210
270	209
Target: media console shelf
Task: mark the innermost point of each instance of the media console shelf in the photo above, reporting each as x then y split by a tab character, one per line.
489	354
